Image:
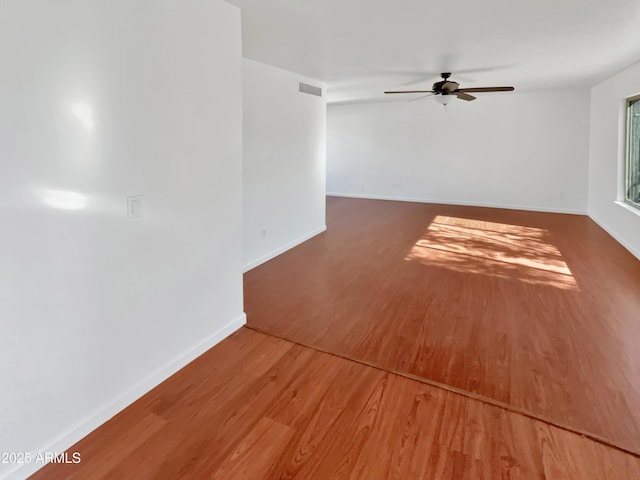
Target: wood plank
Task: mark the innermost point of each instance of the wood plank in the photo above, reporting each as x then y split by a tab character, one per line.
535	310
315	415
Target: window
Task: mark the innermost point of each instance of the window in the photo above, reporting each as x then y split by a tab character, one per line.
632	183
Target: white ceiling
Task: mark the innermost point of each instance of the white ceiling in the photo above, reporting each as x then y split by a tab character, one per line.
362	47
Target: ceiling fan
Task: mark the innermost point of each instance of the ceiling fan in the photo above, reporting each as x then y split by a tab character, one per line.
447	90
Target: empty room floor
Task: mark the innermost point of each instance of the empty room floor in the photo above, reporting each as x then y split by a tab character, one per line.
535	311
408	341
258	407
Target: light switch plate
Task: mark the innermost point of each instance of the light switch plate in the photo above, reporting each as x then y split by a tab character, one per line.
134	206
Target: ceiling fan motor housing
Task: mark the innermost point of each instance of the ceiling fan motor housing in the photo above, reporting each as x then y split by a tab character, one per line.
445	87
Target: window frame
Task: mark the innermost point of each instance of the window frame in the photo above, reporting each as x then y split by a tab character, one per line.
630	101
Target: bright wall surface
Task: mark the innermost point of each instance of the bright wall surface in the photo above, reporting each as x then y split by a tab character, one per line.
607	158
99	101
283	162
511	150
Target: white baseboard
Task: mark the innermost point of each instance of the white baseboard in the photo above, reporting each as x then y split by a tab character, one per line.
280	250
82	428
635	252
465	204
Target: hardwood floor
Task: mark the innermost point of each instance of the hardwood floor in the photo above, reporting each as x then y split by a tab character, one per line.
534	310
432	326
258	407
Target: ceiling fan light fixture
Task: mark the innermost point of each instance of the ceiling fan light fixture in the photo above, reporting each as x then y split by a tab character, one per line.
444	99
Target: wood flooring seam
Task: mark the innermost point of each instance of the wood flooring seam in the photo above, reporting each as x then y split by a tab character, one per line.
458	391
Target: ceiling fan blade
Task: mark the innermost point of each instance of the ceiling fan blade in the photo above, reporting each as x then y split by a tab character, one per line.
424	96
465	96
486	89
412	91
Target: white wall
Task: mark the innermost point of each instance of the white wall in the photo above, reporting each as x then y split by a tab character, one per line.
100	100
606	158
283	162
526	151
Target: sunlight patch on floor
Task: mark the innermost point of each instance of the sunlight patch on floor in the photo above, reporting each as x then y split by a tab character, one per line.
496	249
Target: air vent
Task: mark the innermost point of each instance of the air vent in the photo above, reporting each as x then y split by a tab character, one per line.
310	89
